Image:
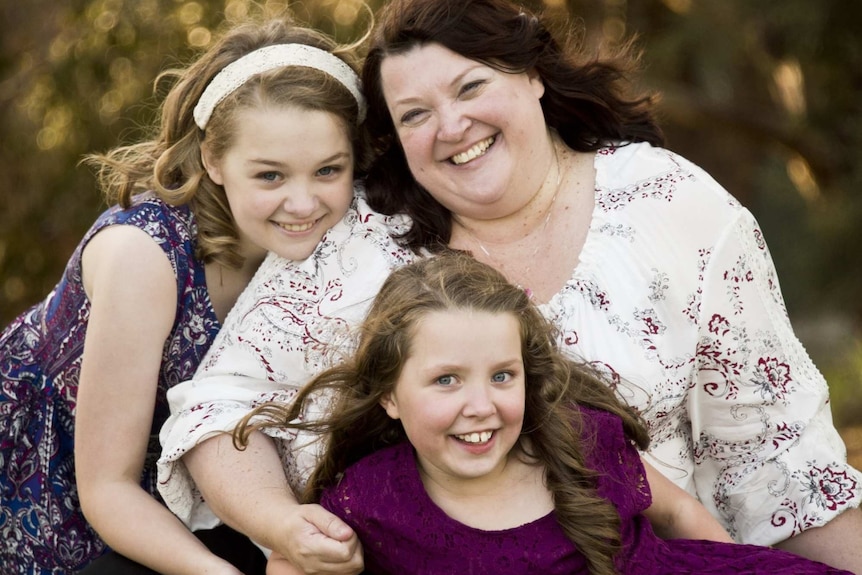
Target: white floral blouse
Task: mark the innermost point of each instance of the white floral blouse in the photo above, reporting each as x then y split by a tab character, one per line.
675	299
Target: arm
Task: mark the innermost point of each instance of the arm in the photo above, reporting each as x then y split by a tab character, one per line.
264	351
833	543
772	464
132	290
286	326
249	491
675	514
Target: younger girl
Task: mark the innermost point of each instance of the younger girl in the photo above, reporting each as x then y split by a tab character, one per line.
461	441
255	153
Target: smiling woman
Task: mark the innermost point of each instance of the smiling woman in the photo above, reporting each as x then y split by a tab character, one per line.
502	114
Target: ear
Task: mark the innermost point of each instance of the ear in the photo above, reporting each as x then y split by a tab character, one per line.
211	165
390	406
536	83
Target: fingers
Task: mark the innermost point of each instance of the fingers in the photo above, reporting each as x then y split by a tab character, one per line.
330	525
322	544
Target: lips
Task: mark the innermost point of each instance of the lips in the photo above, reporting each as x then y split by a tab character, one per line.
476	151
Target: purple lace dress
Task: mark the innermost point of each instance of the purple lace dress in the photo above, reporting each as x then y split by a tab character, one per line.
42	529
403	531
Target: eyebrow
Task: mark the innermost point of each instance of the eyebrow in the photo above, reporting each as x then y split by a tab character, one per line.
455	81
275	163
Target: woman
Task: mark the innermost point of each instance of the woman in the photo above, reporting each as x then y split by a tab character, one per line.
509	146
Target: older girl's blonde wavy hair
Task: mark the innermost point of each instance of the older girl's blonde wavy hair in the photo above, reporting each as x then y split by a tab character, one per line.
170	165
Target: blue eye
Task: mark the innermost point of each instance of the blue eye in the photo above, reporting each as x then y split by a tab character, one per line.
501	377
446	380
328	171
269	176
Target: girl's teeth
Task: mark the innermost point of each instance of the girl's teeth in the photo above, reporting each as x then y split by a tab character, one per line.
474	152
297	227
482	437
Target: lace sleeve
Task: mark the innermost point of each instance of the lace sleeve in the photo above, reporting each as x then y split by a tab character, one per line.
759	408
609	452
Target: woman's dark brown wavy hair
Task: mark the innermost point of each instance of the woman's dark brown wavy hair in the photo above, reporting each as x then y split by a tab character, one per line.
357	425
585	97
170	164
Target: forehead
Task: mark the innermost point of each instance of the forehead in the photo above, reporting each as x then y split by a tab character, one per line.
289	130
461	332
423	65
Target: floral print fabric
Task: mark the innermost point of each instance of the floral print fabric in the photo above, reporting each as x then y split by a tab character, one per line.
42	529
292	321
675	299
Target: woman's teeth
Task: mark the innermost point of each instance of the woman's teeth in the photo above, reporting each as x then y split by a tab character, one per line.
473	153
480	437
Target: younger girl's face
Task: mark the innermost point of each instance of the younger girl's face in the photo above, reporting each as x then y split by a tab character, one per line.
460	395
288	178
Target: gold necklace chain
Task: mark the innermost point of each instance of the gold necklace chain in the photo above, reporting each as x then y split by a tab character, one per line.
539	231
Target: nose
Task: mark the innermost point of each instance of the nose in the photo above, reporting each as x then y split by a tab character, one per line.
480	402
452	123
299	200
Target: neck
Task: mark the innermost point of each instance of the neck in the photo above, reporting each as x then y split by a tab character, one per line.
514	496
528	220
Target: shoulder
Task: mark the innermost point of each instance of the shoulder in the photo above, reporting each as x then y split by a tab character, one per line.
166	224
598	422
665	207
629	173
148	224
601	433
123	255
384	465
609	452
368	480
362	228
148	207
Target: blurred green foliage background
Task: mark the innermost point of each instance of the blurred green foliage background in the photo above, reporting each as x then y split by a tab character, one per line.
766	95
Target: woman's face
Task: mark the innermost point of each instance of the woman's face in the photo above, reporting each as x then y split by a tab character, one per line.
288	178
474	137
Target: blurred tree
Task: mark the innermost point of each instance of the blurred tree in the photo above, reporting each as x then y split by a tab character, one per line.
765	95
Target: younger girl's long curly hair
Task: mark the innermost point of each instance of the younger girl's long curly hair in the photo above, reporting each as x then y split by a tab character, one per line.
555	386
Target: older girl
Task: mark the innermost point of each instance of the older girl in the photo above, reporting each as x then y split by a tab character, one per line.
255	153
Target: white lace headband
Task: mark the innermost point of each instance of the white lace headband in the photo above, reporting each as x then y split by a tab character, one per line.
268	58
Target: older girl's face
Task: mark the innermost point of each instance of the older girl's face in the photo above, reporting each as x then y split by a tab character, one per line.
288	178
474	137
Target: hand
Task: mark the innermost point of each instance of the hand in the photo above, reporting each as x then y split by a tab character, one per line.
319	544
